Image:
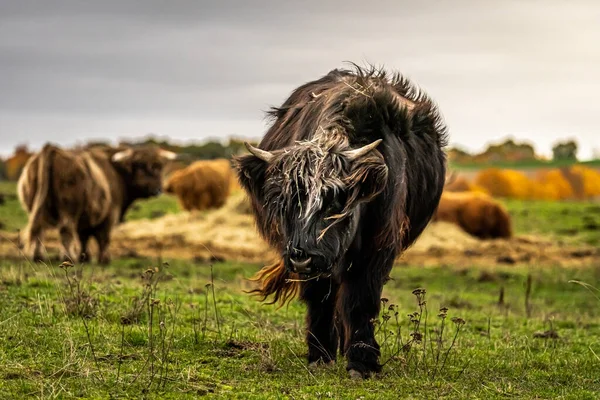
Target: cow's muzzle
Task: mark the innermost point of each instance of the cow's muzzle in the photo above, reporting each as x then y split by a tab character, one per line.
301	266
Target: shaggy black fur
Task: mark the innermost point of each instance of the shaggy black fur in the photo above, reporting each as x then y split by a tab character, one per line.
348	218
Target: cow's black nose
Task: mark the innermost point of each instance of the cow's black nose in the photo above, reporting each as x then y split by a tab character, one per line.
300	261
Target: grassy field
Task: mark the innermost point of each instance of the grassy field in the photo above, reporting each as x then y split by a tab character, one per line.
121	332
530	164
187	329
569	221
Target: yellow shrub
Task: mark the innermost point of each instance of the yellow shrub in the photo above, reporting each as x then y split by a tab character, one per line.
590	179
505	183
478	189
552	185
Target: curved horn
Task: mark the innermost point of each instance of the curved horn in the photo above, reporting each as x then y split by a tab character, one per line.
121	155
356	153
262	154
169	155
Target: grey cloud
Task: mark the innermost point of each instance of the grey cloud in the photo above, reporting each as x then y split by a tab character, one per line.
196	69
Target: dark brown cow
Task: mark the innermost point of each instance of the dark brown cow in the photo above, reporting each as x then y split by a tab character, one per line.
345	179
85	193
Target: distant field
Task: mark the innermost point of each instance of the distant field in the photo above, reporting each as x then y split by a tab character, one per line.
533	164
574	221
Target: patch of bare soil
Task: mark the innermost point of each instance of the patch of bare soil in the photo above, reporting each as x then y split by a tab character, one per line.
230	234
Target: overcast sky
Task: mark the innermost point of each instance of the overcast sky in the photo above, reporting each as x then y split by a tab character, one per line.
74	70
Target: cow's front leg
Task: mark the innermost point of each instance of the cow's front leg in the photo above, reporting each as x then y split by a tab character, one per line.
321	332
359	303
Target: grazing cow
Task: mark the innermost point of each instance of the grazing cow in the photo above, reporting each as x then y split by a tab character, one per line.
476	213
345	179
202	185
85	193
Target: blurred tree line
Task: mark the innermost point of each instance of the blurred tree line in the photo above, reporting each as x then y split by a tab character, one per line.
510	151
198	151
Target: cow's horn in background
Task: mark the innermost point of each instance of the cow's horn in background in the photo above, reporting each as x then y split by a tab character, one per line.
121	155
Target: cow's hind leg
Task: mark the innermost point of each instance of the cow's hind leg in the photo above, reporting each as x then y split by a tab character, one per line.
32	246
84	238
71	249
102	235
321	332
359	303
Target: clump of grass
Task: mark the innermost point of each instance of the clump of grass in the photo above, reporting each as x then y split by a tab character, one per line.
150	279
160	316
209	290
77	300
423	351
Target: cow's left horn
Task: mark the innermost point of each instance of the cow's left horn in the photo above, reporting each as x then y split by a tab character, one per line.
356	153
262	154
121	155
169	155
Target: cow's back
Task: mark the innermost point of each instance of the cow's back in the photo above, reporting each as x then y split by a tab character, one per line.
27	183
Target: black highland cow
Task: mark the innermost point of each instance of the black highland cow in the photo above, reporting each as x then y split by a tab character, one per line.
346	178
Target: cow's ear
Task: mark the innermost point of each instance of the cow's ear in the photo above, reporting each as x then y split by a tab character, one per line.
251	173
368	179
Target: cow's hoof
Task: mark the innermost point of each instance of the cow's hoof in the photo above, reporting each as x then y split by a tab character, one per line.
355	375
104	260
316	364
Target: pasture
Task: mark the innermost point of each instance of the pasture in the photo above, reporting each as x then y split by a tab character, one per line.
520	320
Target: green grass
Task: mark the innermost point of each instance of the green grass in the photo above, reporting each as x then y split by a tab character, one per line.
12	216
153	208
569	221
257	351
48	350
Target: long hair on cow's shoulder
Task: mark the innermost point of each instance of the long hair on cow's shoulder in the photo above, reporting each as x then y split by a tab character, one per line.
277	281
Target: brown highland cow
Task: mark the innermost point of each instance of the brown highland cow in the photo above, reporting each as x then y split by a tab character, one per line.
202	185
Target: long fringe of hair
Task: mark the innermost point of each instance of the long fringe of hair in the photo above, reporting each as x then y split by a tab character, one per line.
277	281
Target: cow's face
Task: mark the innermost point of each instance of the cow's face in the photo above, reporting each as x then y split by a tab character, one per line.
312	194
143	168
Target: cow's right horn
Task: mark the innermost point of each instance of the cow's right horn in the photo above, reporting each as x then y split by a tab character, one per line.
262	154
356	153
